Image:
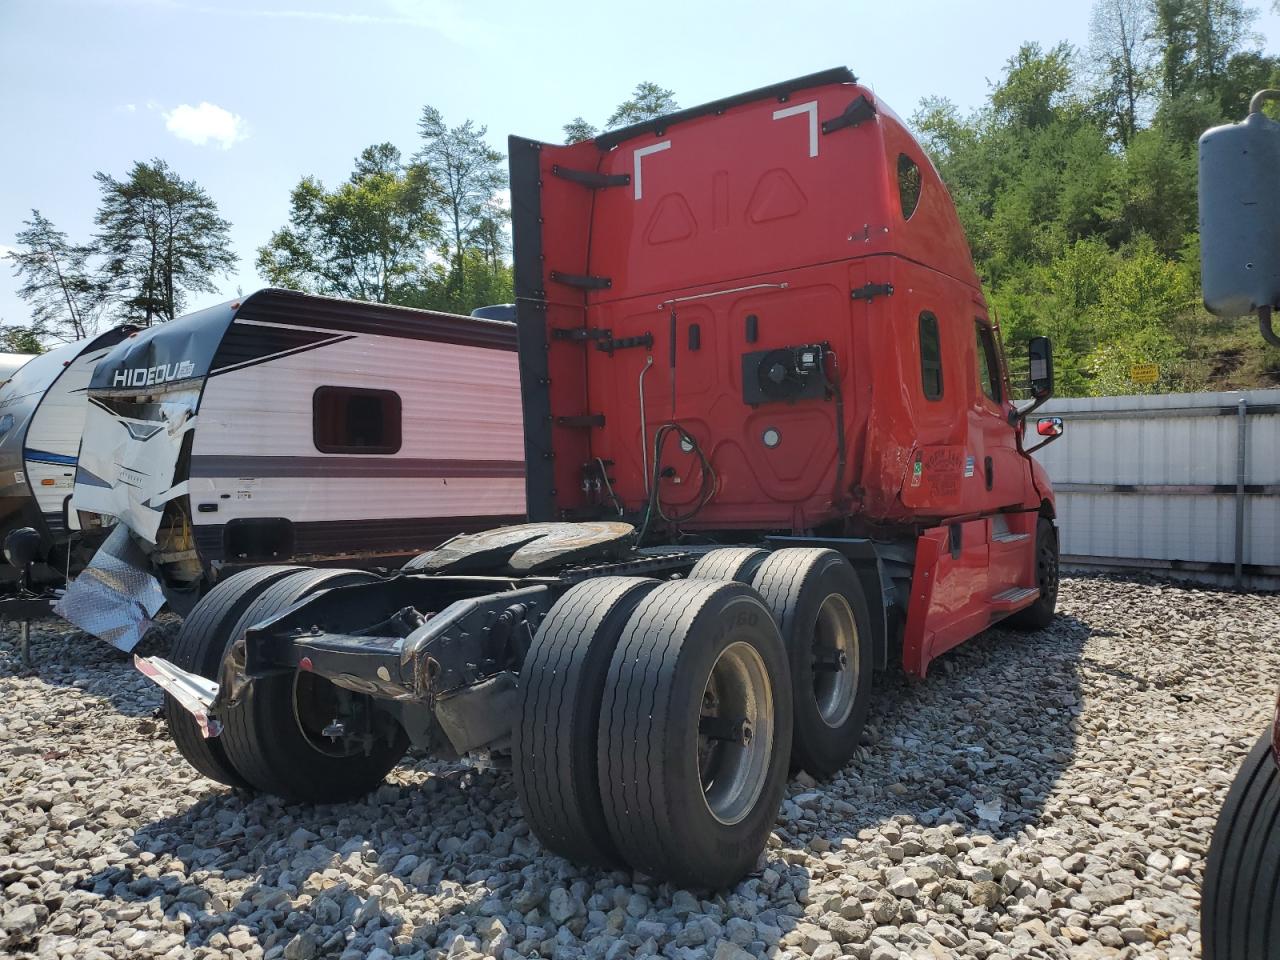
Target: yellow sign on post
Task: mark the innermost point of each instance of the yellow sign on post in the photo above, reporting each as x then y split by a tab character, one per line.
1144	373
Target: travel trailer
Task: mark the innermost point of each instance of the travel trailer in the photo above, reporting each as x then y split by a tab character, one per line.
42	413
291	427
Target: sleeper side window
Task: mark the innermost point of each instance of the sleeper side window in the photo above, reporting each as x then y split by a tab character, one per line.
930	357
355	420
908	185
988	362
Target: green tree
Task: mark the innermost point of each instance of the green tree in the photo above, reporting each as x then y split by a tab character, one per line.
1120	52
57	282
470	175
1246	73
367	239
160	237
489	236
577	130
484	284
1035	85
1196	39
647	101
1152	192
19	339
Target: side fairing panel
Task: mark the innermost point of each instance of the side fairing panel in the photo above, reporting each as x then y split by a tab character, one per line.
551	234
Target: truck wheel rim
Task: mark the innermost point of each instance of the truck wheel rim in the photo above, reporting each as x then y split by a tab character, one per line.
738	696
315	705
835	660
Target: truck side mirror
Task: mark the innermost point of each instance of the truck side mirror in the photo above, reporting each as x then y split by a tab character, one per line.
1049	426
1040	357
1049	429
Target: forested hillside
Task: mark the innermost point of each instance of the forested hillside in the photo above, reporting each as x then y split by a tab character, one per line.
1076	183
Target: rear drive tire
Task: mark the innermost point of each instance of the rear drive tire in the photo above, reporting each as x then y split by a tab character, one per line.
272	736
729	563
200	648
817	600
562	682
1040	614
1240	907
695	731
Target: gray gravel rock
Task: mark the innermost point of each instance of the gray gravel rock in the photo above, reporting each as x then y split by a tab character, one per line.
1048	795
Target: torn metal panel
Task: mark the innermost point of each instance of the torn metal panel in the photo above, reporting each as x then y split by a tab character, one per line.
193	692
115	597
129	456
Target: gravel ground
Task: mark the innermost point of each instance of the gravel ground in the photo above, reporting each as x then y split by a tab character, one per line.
1049	795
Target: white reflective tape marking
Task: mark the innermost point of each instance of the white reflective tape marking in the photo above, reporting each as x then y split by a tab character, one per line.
644	152
811	108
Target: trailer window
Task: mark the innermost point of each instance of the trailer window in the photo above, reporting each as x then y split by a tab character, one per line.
930	357
988	362
908	185
351	420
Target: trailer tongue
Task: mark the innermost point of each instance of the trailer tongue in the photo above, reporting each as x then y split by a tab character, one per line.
770	449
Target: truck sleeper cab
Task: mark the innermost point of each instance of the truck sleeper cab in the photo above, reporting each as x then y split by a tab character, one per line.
770	448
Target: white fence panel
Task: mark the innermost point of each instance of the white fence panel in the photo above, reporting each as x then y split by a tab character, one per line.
1165	483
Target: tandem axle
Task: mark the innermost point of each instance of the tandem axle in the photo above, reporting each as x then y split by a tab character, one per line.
611	679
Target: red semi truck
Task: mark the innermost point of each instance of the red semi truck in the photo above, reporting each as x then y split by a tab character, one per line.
771	449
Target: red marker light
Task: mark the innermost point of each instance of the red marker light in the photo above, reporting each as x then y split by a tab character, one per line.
305	664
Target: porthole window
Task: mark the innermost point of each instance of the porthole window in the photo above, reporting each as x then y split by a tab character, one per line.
908	185
930	357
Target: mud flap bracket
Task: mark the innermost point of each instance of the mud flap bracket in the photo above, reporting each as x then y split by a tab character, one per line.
859	111
590	178
582	281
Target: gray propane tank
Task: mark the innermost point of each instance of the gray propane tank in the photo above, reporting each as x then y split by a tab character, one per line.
1240	214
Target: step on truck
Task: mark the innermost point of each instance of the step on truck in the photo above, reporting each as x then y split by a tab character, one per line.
771	449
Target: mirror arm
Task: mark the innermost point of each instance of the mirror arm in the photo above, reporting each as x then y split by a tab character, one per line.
1043	443
1015	415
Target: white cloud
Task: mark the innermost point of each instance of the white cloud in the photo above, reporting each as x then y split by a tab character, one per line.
205	123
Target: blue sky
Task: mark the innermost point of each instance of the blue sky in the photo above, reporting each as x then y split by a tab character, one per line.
247	97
